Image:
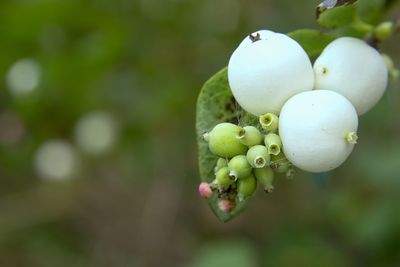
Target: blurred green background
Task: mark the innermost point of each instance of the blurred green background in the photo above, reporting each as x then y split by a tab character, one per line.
98	163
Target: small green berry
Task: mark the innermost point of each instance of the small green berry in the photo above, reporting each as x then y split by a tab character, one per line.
280	163
222	178
393	72
239	167
221	162
222	140
273	143
283	167
384	30
246	187
250	136
269	122
265	176
258	156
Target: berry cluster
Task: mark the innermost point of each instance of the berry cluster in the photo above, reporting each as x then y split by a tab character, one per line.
318	104
247	156
318	107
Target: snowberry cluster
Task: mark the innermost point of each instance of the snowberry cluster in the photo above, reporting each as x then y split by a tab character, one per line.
246	157
317	104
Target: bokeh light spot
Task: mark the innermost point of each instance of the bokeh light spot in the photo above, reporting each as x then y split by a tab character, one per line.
96	132
55	160
23	76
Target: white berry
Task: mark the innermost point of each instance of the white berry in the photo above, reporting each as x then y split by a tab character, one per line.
318	130
266	70
354	69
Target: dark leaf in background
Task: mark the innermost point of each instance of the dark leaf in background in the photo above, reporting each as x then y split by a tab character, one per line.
375	11
389	3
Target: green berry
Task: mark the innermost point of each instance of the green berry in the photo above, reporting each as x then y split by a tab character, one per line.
393	72
273	143
269	122
222	140
246	187
239	167
258	156
221	162
265	176
280	163
250	136
222	178
283	167
384	30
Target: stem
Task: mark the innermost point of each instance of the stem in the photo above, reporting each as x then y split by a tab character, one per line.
362	26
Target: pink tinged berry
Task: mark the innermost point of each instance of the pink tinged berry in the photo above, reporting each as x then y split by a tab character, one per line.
205	190
225	205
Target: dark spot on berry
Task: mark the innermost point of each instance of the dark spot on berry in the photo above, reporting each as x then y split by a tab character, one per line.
255	38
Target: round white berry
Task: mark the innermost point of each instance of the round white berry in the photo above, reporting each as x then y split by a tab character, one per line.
318	130
354	69
266	70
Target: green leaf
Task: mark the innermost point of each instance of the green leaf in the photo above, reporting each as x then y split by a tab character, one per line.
329	4
312	41
216	104
337	17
